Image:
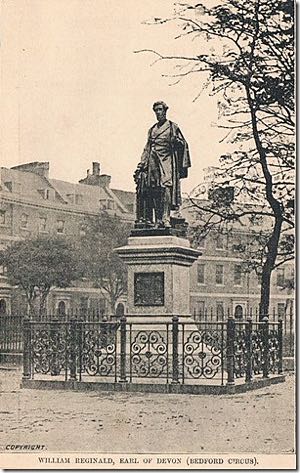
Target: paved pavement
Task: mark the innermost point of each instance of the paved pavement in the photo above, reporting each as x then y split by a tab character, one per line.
260	421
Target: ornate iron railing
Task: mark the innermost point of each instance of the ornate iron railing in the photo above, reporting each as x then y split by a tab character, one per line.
97	349
174	351
203	351
149	351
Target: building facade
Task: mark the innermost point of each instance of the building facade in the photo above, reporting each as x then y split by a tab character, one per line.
33	204
220	284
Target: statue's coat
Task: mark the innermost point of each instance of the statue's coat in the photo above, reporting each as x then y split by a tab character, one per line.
166	160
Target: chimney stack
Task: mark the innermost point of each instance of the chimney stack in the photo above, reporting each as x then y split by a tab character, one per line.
96	168
93	178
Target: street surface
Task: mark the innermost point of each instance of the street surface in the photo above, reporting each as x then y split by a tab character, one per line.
260	421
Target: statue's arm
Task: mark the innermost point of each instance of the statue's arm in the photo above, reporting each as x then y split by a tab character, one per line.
145	154
144	160
182	151
178	139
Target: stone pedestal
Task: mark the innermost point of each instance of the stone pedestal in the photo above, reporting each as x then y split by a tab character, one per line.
158	276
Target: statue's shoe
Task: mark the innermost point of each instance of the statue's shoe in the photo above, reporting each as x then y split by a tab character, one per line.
160	224
167	224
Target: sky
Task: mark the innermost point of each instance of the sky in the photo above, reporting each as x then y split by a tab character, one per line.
73	91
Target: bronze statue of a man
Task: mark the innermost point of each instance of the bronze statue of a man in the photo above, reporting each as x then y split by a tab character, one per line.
165	160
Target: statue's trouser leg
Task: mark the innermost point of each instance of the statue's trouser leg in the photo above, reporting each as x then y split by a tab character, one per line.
140	213
149	206
157	203
166	203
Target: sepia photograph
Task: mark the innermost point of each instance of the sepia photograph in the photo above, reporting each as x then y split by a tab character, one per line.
147	234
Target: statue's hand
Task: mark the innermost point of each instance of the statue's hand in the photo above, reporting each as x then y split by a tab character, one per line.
137	172
176	141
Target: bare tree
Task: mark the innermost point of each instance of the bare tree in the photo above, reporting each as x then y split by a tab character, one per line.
249	64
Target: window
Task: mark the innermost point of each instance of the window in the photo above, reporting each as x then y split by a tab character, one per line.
238	311
237	275
219	274
24	221
8	186
84	303
2	217
200	310
43	224
107	204
120	310
60	226
78	199
2	306
220	242
280	277
281	310
201	273
103	204
61	309
220	310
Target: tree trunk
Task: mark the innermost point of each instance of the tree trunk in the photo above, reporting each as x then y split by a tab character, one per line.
32	306
42	308
272	245
113	306
267	270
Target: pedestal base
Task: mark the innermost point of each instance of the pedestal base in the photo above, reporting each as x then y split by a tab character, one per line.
178	228
158	276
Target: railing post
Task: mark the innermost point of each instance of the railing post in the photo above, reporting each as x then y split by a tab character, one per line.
54	338
123	351
249	350
265	340
103	332
26	349
280	346
73	346
175	367
80	334
230	350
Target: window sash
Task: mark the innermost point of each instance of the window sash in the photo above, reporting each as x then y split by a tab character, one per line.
219	274
237	275
201	273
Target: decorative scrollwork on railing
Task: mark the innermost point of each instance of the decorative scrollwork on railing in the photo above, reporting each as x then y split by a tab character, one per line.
98	353
273	350
149	354
241	353
203	354
257	351
50	350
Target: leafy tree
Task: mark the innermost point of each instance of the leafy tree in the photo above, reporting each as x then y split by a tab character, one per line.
39	264
247	57
100	262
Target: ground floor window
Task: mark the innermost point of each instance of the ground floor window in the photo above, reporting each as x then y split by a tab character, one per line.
120	310
2	307
61	308
238	311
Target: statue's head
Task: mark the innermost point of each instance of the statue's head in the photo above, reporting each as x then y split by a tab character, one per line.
160	109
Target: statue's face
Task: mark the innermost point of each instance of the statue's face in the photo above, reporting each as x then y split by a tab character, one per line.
160	113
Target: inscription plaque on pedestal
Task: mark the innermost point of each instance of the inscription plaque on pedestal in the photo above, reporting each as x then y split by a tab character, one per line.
149	289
